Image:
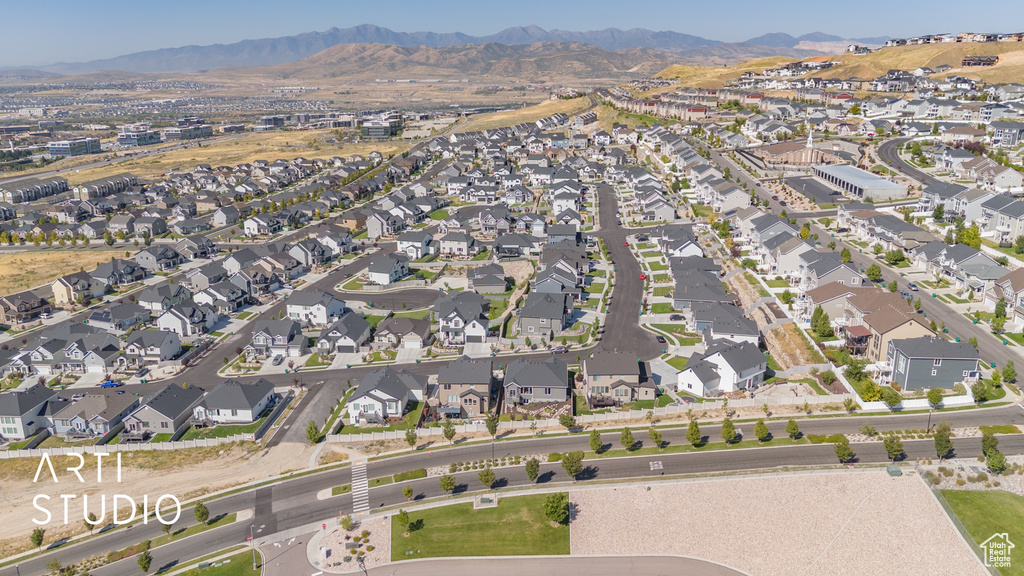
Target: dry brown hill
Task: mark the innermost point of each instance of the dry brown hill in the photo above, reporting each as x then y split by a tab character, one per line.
1009	69
541	60
718	76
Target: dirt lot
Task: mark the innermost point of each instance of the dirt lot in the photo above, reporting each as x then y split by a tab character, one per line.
527	114
31	268
142	473
835	523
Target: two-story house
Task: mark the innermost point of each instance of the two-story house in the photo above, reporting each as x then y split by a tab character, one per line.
464	388
532	381
616	378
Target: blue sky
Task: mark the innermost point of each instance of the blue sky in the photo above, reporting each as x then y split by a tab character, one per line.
37	33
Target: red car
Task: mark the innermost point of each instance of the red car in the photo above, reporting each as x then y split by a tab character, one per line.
625	243
643	277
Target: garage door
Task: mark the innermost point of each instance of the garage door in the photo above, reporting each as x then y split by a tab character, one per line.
411	344
475	339
94	369
346	349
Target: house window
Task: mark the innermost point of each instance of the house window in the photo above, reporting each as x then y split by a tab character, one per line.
234	412
453	398
164	425
446	386
937	362
934	372
902	365
547	391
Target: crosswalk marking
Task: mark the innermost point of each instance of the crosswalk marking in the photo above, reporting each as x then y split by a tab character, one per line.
360	488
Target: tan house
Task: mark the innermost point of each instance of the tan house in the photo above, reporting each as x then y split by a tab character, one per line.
463	389
885	316
68	289
615	379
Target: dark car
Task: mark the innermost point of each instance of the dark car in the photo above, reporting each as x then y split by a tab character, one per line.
676	317
782	203
278	360
559	350
660	339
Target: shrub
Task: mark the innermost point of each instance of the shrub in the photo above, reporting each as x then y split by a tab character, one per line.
555	457
960	482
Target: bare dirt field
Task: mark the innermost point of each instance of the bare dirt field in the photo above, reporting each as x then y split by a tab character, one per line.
142	473
834	523
25	270
527	114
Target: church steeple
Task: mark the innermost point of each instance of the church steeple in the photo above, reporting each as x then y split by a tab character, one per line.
810	135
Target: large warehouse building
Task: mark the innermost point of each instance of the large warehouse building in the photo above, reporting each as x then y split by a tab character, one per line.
860	183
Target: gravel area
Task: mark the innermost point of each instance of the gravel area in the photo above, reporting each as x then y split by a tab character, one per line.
968	471
380	539
834	523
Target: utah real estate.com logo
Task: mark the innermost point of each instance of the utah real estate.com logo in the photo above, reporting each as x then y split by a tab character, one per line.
997	550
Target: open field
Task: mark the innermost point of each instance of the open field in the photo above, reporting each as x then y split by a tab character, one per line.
717	76
516	527
1009	69
837	523
269	146
985	513
24	270
526	114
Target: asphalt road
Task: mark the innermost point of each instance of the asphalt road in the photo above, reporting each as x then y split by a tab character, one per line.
887	151
292	503
558	566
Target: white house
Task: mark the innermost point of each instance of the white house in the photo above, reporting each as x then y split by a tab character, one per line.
232	402
724	367
313	307
386	269
21	412
385	393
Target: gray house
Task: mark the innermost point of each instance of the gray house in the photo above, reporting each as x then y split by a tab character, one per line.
21	412
165	412
545	315
529	381
924	363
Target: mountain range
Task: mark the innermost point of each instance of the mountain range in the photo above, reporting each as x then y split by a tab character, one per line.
274	51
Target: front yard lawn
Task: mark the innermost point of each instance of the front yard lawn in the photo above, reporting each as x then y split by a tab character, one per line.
662	278
777	283
417	314
482	256
410	421
1015	337
652	254
677	362
662	308
516	527
985	513
315	361
246	315
663	291
656	266
353	284
596	274
439	214
224	430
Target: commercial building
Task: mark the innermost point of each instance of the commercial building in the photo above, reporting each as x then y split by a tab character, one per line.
190	132
860	183
74	147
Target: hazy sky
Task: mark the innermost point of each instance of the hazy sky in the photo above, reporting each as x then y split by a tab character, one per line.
44	32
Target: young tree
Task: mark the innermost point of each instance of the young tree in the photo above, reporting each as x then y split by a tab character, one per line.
411	438
1001	308
843	450
145	560
532	469
980	391
448	430
996	461
939	213
845	255
492	424
556	507
627	440
989	442
693	435
793	429
1010	372
850	404
487	477
655	435
403	520
893	446
202	514
90	523
447	483
728	431
943	444
567	421
595	441
935	397
407	492
761	431
312	432
1018	245
891	397
37	537
874	273
572	463
917	305
893	286
166	527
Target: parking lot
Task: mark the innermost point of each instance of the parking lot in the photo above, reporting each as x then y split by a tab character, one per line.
814	190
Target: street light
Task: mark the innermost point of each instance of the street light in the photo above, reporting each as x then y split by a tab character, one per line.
252	544
930	410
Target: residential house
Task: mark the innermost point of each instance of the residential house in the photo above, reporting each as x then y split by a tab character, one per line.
313	307
931	362
387	268
151	347
159	258
232	402
457	245
188	319
616	378
75	288
21	412
346	335
545	315
23	307
416	244
408	333
462	318
276	338
463	388
385	393
119	317
95	414
723	368
535	381
156	299
118	273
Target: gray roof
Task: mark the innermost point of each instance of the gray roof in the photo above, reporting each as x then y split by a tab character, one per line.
172	400
19	402
931	347
857	177
617	363
550	373
465	370
944	189
544	305
147	338
394	383
234	395
741	356
385	263
309	298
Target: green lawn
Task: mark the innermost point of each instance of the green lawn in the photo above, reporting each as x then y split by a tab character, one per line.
646	246
410	422
591	303
439	214
162	437
652	254
339	490
701	210
417	314
482	256
517	527
662	308
953	298
238	565
353	284
221	431
677	362
314	361
656	266
663	291
985	513
1008	251
374	319
498	307
246	315
662	278
596	274
422	274
777	283
1014	336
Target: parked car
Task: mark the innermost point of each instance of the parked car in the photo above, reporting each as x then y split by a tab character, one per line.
141	372
676	317
559	350
660	339
44	316
775	197
277	360
782	203
111	384
905	294
912	286
643	277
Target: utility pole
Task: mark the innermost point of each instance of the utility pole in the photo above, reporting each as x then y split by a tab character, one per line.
252	544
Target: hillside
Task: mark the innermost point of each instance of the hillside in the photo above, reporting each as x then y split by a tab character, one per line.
525	114
1009	69
717	77
538	61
